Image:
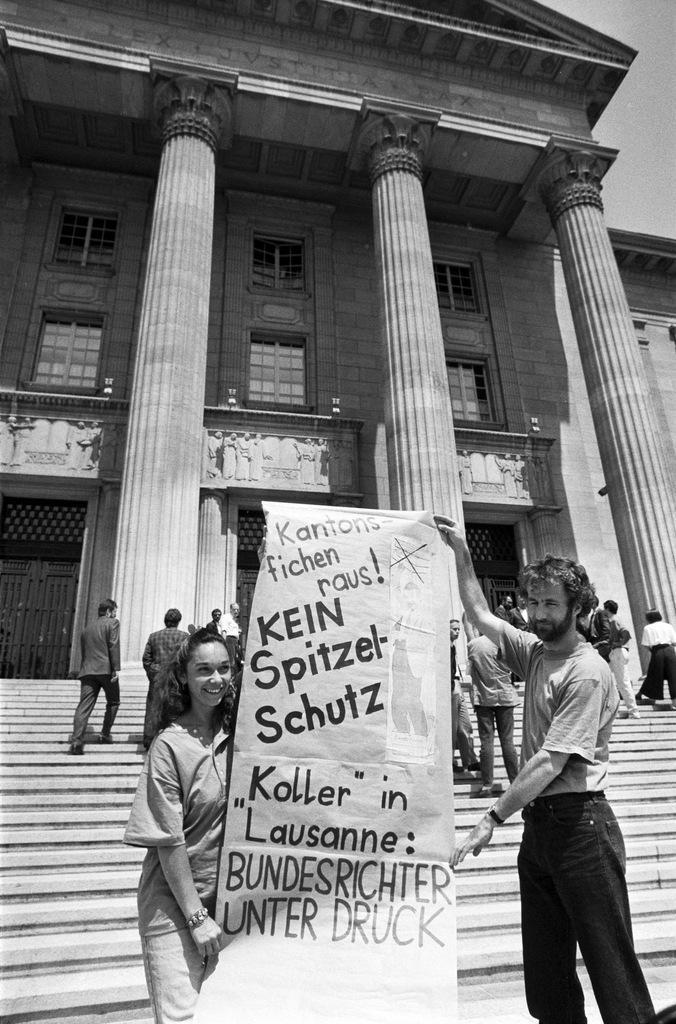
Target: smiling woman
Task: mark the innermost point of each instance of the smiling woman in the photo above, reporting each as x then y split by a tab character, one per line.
178	814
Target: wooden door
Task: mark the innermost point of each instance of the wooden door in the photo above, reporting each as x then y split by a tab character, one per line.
37	608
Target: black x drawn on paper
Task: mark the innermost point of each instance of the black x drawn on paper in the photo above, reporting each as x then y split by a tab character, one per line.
406	555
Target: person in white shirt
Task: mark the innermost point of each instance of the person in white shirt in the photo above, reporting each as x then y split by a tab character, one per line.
618	658
232	631
660	638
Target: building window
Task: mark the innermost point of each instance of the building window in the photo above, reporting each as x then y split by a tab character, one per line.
69	353
456	289
277	371
470	392
278	263
86	239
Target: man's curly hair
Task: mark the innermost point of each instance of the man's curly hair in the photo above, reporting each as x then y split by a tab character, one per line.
570	574
171	697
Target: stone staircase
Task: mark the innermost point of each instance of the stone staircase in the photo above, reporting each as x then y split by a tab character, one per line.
69	948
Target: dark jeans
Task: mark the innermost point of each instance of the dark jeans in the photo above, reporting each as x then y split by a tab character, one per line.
90	687
573	891
487	719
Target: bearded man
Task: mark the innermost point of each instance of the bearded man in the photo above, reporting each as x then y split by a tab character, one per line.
572	858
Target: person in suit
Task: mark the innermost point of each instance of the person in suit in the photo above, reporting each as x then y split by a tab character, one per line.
504	609
518	616
159	651
215	625
99	667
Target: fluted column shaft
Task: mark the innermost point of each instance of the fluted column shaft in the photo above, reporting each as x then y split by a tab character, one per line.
156	552
211	557
640	489
545	530
421	451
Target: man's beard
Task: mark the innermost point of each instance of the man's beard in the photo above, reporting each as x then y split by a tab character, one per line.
553	631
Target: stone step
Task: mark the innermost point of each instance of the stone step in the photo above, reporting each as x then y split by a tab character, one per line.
506	915
123	881
488	952
503	884
59	915
113	990
37	759
46	860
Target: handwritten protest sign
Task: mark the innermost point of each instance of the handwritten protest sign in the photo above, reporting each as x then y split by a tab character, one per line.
335	894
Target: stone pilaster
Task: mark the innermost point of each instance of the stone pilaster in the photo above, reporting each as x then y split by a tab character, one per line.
421	449
157	538
211	556
640	487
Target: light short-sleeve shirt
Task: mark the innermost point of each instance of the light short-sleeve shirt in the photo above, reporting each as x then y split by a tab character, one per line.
570	702
180	798
658	633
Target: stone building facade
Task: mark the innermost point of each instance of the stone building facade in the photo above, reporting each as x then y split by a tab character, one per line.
320	251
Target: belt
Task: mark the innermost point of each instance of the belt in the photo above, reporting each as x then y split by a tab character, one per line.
571	798
659	647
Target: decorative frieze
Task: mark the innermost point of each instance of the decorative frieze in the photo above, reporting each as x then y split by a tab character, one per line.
279	461
500	467
47	446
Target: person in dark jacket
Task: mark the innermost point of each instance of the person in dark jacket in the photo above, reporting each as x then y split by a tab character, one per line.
99	667
159	651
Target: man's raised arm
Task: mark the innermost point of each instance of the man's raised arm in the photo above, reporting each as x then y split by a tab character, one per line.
471	594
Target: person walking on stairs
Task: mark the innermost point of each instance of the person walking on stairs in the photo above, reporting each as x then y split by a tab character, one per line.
461	723
660	639
99	667
494	696
159	651
572	858
618	658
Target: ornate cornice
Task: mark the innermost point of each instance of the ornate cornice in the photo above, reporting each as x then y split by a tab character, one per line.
49	400
394	142
190	105
571	178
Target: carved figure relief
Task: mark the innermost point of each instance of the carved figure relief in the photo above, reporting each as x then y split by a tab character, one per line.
516	477
309	463
83	442
70	445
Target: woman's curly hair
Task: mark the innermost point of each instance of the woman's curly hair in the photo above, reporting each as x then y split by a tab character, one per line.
570	574
171	696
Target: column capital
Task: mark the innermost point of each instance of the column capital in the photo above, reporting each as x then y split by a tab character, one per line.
571	176
393	141
192	105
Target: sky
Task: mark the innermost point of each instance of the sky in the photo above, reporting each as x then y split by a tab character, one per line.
639	190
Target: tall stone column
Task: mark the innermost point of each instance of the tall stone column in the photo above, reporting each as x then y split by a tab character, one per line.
640	487
421	449
211	556
545	530
156	551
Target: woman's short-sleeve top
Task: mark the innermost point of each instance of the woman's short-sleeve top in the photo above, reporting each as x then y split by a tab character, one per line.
180	798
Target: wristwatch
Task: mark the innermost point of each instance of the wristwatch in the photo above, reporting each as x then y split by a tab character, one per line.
492	813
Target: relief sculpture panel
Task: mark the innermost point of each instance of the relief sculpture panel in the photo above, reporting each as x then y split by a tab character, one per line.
504	475
37	444
244	458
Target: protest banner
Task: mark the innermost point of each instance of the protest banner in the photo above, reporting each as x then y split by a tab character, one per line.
335	895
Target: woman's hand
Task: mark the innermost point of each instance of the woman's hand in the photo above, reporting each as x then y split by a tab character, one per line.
207	937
